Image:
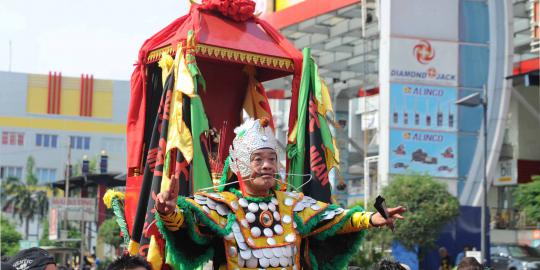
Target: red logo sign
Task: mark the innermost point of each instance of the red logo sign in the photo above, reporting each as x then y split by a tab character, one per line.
423	52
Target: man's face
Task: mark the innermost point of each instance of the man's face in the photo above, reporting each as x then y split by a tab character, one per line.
263	166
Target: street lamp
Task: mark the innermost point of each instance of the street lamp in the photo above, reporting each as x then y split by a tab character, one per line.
475	100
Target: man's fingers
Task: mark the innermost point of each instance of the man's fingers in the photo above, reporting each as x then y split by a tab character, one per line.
396	210
398	216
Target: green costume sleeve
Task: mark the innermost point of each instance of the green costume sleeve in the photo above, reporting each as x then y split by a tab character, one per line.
321	226
200	238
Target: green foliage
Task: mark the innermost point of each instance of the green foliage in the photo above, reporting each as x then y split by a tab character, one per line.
527	198
31	178
73	233
9	238
429	207
109	231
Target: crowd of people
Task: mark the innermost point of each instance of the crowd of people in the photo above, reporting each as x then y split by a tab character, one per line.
39	259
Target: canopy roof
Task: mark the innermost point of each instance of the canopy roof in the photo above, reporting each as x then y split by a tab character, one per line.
253	42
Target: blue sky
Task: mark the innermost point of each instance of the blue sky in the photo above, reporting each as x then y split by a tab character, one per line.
80	36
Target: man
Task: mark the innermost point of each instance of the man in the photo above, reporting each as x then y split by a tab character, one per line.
127	262
446	262
32	259
469	263
461	255
255	225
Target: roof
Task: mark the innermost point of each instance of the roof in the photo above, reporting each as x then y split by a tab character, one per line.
107	179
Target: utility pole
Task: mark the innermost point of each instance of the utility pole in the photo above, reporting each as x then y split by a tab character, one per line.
67	175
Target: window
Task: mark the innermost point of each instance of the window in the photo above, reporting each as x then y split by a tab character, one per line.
45	175
47	140
113	145
11	171
80	142
12	138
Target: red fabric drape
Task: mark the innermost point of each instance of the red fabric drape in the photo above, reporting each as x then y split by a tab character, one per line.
137	106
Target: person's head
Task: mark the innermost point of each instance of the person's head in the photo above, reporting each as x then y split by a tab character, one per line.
467	248
389	265
263	164
254	157
128	262
443	252
469	263
32	259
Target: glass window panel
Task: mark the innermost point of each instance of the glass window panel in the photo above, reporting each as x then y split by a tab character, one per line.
12	138
86	143
20	139
39	138
54	139
46	140
79	142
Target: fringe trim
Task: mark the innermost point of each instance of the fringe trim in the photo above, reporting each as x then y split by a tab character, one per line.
339	261
251	199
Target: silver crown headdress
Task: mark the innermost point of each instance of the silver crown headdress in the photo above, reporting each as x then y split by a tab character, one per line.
250	136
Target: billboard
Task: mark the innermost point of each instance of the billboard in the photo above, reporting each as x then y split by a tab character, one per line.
423	107
423	61
433	153
425	18
78	209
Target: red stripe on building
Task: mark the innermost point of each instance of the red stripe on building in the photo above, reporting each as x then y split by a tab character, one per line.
90	95
81	94
54	93
49	91
87	87
59	93
305	10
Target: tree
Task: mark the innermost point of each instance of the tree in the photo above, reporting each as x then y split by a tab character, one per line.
429	207
10	238
25	201
31	178
527	198
109	231
73	233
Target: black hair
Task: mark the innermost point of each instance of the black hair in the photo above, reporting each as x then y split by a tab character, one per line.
126	262
469	263
389	265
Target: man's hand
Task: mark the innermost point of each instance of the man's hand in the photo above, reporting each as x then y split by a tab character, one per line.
166	200
394	213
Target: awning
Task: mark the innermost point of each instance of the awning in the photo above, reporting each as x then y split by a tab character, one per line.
343	36
107	179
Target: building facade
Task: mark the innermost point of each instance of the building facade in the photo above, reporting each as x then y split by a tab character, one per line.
42	116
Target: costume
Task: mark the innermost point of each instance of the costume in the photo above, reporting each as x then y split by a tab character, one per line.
285	230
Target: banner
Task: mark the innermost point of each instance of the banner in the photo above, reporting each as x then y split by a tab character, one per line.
433	153
424	61
506	173
423	107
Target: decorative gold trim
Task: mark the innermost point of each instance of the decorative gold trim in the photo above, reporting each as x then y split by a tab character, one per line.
229	55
